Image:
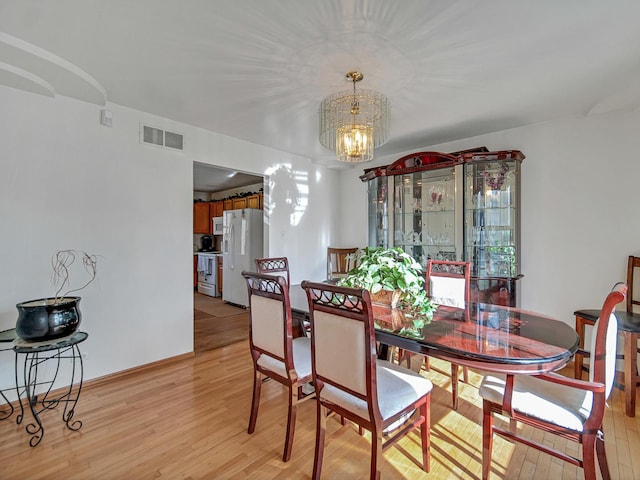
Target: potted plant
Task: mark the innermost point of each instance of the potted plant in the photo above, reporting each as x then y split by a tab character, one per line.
57	316
393	272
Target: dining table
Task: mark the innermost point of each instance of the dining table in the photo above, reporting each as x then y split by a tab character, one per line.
488	337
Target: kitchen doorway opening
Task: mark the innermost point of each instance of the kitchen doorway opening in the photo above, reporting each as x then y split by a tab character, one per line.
219	321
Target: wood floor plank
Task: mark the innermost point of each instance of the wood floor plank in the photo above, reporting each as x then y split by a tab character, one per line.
217	324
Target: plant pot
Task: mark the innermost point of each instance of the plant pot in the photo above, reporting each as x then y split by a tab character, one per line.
48	318
386	297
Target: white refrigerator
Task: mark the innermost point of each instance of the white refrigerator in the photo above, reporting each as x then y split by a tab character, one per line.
241	245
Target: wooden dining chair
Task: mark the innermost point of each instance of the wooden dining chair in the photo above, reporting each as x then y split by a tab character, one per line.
629	327
280	266
274	266
351	382
570	408
448	283
340	261
275	353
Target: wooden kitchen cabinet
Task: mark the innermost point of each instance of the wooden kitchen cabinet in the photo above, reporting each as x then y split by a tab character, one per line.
201	218
254	201
239	203
216	208
220	274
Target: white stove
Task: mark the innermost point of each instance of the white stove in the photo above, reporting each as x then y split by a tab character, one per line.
208	273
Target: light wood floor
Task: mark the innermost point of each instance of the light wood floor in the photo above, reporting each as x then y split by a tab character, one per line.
187	420
217	324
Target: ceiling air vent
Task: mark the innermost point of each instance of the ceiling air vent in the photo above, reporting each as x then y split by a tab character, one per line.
162	138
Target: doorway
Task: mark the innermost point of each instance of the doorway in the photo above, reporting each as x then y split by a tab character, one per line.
217	323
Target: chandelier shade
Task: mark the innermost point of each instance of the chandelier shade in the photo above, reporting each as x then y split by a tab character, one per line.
354	122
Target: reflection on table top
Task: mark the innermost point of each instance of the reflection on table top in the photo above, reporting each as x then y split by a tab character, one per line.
490	337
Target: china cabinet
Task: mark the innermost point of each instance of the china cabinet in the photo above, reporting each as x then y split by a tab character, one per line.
459	206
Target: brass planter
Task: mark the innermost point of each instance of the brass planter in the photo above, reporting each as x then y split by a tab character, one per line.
386	297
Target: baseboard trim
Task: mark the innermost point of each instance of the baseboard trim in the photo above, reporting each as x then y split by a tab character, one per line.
137	370
112	376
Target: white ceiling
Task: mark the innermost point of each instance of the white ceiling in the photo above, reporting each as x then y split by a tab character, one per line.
207	178
258	69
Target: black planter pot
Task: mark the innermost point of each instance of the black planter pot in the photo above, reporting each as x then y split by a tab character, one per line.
48	318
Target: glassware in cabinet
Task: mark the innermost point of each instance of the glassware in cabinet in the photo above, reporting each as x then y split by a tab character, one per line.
492	216
424	214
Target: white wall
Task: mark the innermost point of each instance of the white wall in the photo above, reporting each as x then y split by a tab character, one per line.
580	197
67	182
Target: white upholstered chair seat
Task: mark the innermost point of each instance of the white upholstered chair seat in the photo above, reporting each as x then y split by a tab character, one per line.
558	404
397	388
301	347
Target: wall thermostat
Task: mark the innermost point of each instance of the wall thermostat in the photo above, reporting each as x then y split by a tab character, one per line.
106	118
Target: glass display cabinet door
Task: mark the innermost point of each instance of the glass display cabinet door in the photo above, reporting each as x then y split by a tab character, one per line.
378	221
424	218
491	217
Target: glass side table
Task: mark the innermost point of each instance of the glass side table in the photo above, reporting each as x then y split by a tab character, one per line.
46	398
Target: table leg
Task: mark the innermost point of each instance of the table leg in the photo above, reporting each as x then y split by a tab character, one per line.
7	409
630	372
383	352
4	414
454	385
72	400
30	371
299	329
47	401
579	359
20	416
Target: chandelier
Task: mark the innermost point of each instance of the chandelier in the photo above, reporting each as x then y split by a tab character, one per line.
354	123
